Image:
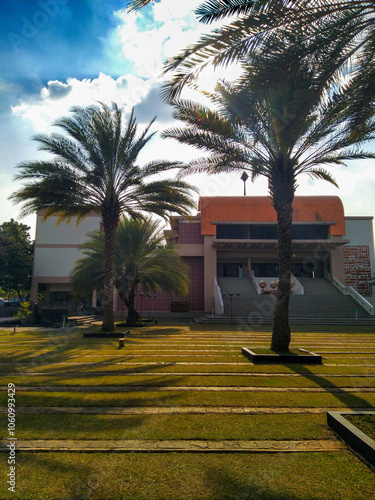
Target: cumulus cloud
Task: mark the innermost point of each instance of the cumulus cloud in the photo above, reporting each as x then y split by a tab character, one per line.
56	90
145	48
152	106
57	98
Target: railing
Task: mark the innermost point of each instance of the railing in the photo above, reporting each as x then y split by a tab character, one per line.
219	304
254	282
349	290
298	288
343	289
361	301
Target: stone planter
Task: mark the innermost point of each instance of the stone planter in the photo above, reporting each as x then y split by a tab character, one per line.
305	358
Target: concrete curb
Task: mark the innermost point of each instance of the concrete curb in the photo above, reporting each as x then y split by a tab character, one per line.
361	444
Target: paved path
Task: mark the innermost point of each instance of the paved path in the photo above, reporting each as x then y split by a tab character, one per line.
175	445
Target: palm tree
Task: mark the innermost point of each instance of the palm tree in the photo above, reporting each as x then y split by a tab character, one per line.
280	127
257	21
141	260
329	20
94	170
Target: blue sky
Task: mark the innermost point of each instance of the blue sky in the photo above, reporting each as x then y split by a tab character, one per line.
58	53
56	39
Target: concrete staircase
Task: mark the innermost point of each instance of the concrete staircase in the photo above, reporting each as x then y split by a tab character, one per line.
322	303
244	286
322	299
249	305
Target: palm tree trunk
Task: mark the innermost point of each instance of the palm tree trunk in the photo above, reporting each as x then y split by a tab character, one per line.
109	264
133	315
281	329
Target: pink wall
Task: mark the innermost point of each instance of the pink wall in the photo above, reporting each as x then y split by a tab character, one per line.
162	302
189	233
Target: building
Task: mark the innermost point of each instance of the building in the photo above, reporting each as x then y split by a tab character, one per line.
231	237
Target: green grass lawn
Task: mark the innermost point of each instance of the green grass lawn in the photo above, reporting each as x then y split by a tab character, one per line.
176	476
163	427
365	423
85	371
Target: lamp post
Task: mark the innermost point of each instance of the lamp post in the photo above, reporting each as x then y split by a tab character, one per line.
244	178
231	295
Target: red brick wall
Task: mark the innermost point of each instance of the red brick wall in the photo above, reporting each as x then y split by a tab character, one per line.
196	293
190	233
358	268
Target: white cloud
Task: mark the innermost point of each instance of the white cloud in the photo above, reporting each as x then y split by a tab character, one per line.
146	50
126	90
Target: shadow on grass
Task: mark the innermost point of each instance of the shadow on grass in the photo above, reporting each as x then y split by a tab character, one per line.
227	486
349	399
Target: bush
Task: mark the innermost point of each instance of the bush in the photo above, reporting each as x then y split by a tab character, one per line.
24	311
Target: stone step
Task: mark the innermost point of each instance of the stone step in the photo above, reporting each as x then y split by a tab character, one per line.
237	285
254	320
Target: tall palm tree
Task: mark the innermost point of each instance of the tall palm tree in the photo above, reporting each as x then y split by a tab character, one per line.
141	260
329	20
94	170
257	20
280	127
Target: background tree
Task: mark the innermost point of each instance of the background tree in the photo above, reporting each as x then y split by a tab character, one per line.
16	258
280	120
94	170
141	260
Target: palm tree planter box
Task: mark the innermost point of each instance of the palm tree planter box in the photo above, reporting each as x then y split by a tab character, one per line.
361	444
133	325
305	358
107	334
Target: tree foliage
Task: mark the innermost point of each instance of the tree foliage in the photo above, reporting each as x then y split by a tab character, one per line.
280	126
142	263
94	169
257	21
16	258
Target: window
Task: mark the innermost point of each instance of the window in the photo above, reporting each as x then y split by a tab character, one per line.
269	232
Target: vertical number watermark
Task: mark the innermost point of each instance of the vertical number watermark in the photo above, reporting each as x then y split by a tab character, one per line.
11	475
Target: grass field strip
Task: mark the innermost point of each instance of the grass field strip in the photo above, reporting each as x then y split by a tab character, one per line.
173	363
194	374
177	410
163	388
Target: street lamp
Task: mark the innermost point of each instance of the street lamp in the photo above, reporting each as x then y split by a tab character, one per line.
244	178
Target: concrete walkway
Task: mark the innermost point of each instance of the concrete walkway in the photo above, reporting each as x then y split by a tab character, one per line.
124	446
175	410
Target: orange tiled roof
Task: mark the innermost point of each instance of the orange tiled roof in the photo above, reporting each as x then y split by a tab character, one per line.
260	209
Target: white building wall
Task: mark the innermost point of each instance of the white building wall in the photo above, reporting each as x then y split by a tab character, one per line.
55	261
48	232
56	250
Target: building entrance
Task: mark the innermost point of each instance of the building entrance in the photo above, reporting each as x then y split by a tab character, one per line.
230	270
